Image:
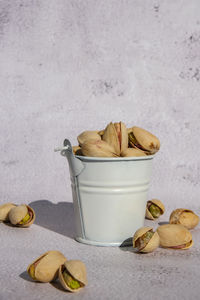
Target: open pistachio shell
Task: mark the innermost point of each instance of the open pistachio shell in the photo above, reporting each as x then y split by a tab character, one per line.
122	135
145	140
159	206
45	267
174	236
185	217
96	148
77	271
77	150
129	152
4	211
147	243
22	216
88	135
110	136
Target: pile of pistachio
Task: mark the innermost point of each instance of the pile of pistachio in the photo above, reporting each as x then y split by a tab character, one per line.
53	265
17	215
175	235
116	140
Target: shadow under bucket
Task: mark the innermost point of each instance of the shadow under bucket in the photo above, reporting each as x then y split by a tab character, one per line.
109	196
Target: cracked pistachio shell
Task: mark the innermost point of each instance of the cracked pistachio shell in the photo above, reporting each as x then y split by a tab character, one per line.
17	213
116	135
88	135
153	242
147	140
4	211
96	148
77	150
129	152
157	203
46	266
77	270
174	236
185	217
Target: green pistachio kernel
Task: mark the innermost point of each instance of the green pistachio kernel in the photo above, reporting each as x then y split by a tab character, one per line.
25	219
144	239
70	281
154	210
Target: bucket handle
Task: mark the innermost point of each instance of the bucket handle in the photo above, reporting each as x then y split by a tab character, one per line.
75	165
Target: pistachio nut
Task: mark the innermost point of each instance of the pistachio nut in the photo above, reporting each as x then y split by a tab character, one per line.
174	236
22	216
144	140
129	152
72	275
154	209
145	240
185	217
77	150
88	135
4	211
97	148
45	267
116	135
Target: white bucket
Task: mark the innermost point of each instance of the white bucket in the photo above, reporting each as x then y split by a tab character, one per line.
109	196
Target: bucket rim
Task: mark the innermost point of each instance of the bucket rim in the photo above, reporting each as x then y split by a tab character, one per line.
114	159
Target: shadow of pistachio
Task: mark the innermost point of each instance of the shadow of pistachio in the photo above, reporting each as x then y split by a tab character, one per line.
24	275
58	217
163	223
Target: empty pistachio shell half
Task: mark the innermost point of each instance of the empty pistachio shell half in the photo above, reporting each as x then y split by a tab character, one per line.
116	135
22	216
185	217
145	240
88	135
72	275
4	211
96	148
154	209
144	140
45	267
174	236
129	152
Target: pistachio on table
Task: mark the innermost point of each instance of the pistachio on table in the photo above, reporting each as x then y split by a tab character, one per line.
21	216
174	236
72	275
4	211
45	267
154	209
185	217
145	240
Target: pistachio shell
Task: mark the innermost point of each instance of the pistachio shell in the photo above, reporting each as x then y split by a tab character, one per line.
129	152
147	140
88	135
77	150
173	235
122	135
110	136
77	270
96	148
46	266
153	242
185	217
4	211
157	203
17	213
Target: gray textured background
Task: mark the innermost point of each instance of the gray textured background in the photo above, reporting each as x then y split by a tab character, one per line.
69	66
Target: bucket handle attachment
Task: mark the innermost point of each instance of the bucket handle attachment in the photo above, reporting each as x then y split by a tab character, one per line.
75	165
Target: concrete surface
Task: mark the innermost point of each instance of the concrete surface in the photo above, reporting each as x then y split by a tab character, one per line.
68	66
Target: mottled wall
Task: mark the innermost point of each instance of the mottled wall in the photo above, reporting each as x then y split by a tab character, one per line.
68	66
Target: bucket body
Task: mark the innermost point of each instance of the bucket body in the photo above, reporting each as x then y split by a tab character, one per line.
109	197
